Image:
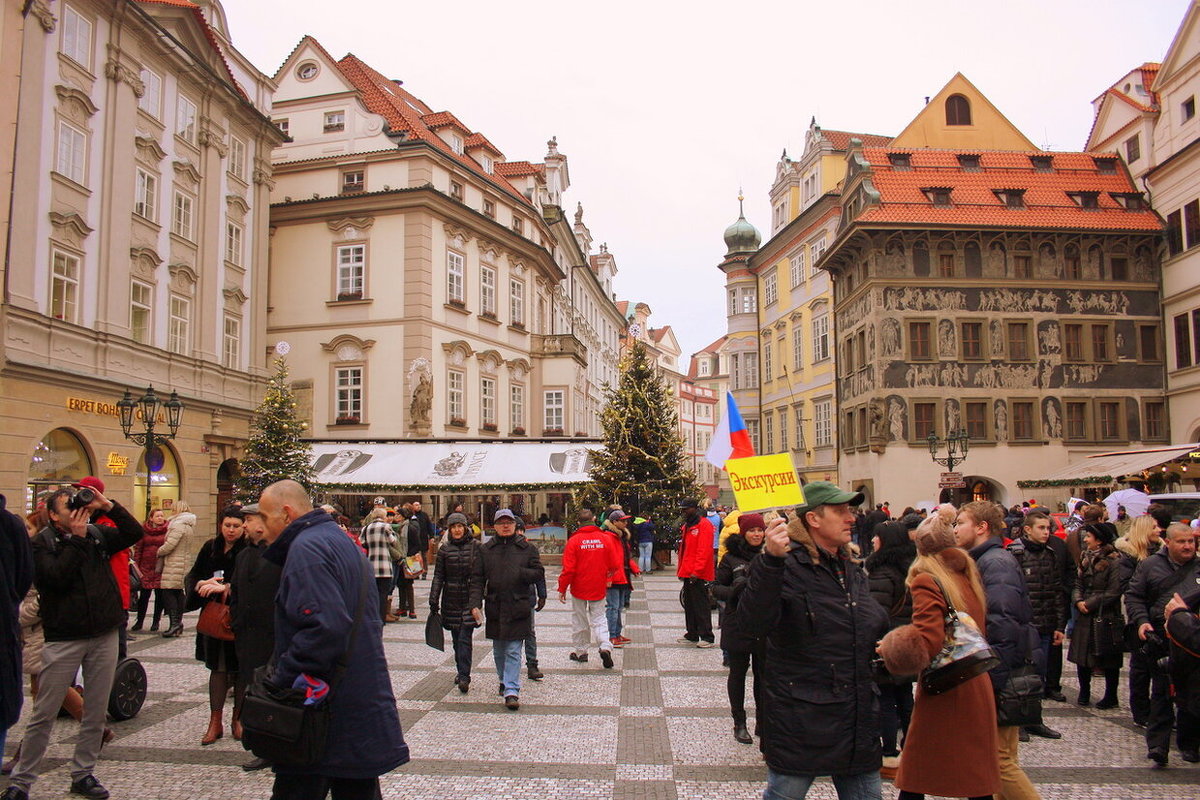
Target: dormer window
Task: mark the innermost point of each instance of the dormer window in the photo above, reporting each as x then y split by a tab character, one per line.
900	161
518	226
456	143
969	162
1042	163
1088	200
1130	201
1011	198
1106	166
335	121
353	180
938	195
489	208
456	190
487	163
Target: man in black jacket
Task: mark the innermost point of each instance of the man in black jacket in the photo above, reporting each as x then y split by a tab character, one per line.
81	614
811	601
1049	578
1157	578
511	566
16	576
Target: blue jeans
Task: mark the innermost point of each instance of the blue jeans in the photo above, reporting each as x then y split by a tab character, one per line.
863	786
615	601
507	653
461	636
645	555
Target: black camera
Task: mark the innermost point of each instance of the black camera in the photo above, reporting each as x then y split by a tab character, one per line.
81	498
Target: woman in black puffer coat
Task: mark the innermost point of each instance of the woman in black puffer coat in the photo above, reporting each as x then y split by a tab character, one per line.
887	574
1097	596
744	651
458	585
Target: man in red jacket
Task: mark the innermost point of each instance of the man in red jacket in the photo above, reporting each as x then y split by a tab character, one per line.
590	559
696	570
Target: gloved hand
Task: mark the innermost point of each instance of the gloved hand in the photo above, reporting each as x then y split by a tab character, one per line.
541	603
315	689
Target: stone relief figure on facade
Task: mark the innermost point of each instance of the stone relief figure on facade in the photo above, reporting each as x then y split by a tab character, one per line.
947	347
1010	300
1143	265
1082	373
1047	373
997	328
896	419
911	299
871	343
953	374
1000	414
921	375
1048	338
1102	302
893	259
891	336
953	418
996	266
878	423
422	402
1053	418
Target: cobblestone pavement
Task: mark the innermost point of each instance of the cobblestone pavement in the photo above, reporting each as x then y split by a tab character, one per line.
654	728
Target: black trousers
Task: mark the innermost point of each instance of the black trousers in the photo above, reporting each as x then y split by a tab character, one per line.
697	614
384	587
318	787
1139	687
1164	716
735	685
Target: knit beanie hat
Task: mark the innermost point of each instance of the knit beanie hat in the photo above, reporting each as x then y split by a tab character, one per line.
457	519
936	532
748	522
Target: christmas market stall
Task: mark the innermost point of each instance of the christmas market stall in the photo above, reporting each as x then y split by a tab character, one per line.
1092	477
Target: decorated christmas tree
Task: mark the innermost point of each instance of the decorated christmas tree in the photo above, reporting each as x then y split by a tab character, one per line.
643	466
275	450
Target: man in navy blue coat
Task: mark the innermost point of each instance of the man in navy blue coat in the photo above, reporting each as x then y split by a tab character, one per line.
320	590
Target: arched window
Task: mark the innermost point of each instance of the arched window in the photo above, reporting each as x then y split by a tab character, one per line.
958	110
165	481
59	458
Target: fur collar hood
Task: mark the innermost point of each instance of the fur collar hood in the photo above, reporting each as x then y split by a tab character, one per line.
736	544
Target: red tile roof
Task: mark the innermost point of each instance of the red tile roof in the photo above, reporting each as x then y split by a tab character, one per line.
441	119
974	202
841	139
519	169
208	34
1149	72
479	140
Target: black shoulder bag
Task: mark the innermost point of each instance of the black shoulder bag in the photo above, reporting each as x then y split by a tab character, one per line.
276	724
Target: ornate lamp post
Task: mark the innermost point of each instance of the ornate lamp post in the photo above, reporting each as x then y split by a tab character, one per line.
149	405
957	444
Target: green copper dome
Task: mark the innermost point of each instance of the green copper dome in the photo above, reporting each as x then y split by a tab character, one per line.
741	236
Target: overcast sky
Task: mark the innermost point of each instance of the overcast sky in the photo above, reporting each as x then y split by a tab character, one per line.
665	108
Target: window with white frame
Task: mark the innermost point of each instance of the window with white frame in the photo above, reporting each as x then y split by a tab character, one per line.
145	195
797	346
817	249
800	427
455	400
141	305
823	422
771	287
335	121
516	302
285	126
487	163
516	407
179	324
784	444
351	271
151	99
64	287
231	342
456	143
752	429
796	263
733	305
454	277
767	360
185	119
553	406
703	368
237	157
72	152
749	300
487	400
77	37
233	243
820	337
487	290
181	215
348	399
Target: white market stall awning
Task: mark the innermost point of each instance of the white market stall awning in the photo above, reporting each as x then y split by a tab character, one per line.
373	466
1105	468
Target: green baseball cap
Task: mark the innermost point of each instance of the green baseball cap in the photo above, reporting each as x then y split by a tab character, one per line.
824	493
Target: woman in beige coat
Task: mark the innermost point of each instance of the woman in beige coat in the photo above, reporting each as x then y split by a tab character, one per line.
176	561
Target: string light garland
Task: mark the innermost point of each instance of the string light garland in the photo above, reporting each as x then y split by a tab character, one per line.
275	450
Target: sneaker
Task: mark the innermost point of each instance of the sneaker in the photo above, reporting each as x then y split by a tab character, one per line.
512	703
581	657
606	659
705	643
685	640
88	786
616	641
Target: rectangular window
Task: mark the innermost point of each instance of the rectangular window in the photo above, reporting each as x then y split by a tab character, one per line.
796	264
920	346
848	439
487	291
351	271
797	346
455	400
1196	335
237	157
64	287
348	402
1120	268
72	152
820	337
1110	420
1022	420
518	226
284	126
752	428
181	216
923	420
1018	341
976	414
140	306
552	406
1133	148
749	300
1072	342
489	208
1076	414
1021	266
456	143
818	249
733	307
946	265
972	340
77	37
145	195
799	427
232	343
516	408
1183	342
151	99
185	119
179	325
768	361
1174	233
487	400
1191	223
1148	343
516	302
823	423
233	243
768	432
456	190
454	278
771	288
1155	418
749	370
1100	346
1187	108
783	430
1073	270
335	121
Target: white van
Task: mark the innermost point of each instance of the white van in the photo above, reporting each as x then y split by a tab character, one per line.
1183	505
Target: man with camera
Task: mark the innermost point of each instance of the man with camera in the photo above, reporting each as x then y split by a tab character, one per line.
1154	582
81	614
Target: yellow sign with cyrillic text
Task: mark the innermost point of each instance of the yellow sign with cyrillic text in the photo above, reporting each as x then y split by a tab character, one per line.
764	482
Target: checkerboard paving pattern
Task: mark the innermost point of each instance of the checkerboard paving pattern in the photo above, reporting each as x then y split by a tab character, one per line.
656	727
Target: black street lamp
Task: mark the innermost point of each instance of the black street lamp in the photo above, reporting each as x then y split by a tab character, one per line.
957	444
149	439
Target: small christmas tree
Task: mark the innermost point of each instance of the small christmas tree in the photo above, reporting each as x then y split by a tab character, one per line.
643	466
275	450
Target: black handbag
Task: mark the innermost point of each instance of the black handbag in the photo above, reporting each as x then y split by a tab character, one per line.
277	726
435	637
1108	636
1019	702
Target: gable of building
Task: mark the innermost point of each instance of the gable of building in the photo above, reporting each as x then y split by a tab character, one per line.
946	123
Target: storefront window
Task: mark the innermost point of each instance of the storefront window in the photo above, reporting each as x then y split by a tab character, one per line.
59	458
164	483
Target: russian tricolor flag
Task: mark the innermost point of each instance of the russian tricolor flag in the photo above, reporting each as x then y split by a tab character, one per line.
731	439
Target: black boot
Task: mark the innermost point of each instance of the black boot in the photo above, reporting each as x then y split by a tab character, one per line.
1085	687
740	733
1111	678
533	672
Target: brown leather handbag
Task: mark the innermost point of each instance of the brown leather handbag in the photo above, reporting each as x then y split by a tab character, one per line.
215	621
